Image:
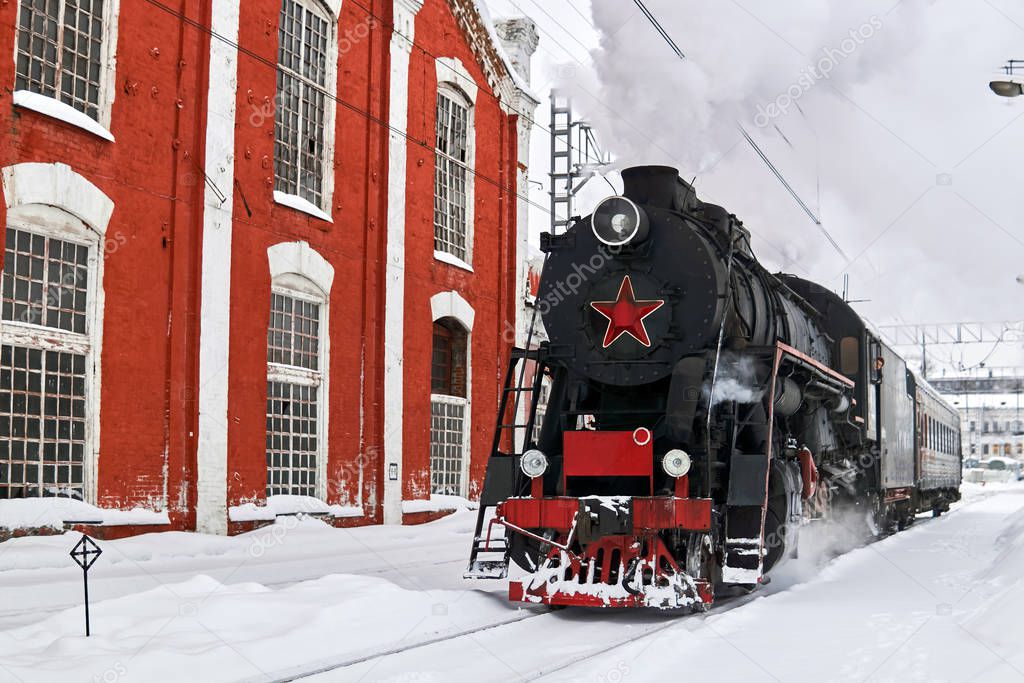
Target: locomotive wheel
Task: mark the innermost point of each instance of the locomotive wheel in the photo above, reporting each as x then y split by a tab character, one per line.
701	561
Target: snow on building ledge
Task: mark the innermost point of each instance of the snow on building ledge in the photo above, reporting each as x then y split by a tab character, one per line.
48	106
438	503
276	506
56	513
299	204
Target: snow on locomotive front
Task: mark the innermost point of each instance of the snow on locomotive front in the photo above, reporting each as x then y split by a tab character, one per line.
689	392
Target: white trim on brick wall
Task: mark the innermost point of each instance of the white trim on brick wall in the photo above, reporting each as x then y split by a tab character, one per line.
405	12
452	70
215	310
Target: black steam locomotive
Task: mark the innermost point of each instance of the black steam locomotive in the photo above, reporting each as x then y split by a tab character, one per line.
700	411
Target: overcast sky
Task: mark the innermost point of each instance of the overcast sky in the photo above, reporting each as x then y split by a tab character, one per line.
901	149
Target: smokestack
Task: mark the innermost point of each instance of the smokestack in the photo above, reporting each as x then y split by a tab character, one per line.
658	186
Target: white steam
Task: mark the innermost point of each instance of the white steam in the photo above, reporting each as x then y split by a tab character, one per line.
736	380
879	125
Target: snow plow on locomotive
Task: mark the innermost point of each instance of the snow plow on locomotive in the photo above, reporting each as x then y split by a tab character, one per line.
700	411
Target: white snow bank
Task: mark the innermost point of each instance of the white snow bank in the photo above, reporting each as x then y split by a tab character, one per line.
438	503
203	630
289	505
997	621
30	513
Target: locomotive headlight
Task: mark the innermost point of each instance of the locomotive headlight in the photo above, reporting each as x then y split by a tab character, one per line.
618	221
676	463
533	463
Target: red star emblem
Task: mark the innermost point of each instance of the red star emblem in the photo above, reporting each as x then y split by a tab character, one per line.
626	315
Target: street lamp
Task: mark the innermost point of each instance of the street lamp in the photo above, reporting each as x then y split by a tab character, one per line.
1008	88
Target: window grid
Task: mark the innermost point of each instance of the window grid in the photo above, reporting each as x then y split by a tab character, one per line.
42	422
60	51
293	337
447	445
451	177
45	281
291	439
293	442
301	113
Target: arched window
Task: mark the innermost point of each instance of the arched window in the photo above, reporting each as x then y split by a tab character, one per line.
449	369
304	111
65	51
297	371
51	325
455	163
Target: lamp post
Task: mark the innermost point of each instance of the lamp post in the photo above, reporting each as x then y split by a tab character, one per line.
1007	87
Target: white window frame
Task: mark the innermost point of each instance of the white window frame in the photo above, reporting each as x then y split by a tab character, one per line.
455	82
298	271
451	305
52	106
53	200
322	211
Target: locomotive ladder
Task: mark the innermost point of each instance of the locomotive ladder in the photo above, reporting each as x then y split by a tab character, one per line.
489	557
748	485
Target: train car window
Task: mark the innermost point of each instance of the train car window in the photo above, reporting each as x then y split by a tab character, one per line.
849	356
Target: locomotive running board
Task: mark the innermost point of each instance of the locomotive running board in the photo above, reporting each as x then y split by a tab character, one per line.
747	501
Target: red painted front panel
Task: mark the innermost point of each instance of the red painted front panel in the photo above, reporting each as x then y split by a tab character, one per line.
649	514
671	513
603	454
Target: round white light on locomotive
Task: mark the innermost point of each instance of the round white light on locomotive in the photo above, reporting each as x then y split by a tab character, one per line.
676	463
533	463
618	221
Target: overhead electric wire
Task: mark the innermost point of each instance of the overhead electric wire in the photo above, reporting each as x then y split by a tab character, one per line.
660	29
575	9
785	184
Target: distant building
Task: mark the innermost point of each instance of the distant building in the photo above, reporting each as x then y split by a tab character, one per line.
991	431
266	249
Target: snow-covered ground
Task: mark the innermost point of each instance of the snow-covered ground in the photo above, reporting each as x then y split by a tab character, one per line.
943	601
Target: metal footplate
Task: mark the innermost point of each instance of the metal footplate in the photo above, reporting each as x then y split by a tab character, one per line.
487	569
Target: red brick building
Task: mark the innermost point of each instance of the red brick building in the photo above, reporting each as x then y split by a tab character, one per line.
260	249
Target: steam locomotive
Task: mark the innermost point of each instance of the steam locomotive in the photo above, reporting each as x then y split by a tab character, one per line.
700	412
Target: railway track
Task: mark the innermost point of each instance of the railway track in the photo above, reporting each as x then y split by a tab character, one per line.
350	660
327	666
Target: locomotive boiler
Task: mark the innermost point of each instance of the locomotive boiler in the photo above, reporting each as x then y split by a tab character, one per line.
699	411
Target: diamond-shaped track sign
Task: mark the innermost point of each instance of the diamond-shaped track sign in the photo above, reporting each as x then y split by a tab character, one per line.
85	552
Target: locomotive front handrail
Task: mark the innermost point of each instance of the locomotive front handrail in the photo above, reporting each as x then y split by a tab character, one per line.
529	534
